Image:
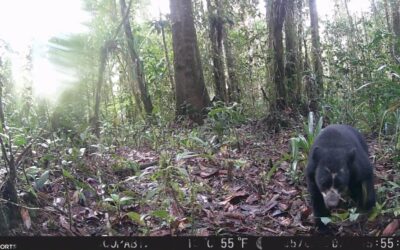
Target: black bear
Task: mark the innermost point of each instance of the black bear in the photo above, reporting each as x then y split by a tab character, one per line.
338	163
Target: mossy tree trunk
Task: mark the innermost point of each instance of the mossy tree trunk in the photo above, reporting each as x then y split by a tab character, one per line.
136	61
216	36
317	80
292	60
276	19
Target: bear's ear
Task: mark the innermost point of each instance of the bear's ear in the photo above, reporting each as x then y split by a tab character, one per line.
351	155
315	154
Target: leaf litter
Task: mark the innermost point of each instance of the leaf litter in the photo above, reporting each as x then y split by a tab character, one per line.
225	192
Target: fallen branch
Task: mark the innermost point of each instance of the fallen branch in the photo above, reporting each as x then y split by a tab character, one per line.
18	205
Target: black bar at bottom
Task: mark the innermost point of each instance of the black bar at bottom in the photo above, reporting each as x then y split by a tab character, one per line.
198	243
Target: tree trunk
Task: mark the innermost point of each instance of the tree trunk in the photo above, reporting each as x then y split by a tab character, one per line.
95	121
191	94
233	86
148	106
317	84
216	36
291	67
9	212
385	4
301	58
395	6
169	65
277	17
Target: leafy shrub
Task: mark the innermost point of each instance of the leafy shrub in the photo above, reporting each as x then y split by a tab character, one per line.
301	145
222	118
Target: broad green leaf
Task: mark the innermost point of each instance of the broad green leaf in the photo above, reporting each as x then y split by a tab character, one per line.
108	200
161	214
294	166
377	210
326	220
136	218
198	140
115	197
125	200
151	193
394	184
342	216
42	179
353	216
32	171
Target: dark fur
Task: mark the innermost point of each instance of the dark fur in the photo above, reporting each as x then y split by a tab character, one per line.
342	150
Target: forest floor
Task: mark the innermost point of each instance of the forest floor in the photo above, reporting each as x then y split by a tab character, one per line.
242	190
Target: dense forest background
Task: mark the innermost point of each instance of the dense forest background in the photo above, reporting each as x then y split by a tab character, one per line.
199	122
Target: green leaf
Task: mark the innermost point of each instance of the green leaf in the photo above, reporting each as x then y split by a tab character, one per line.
108	200
240	163
294	143
353	216
185	155
136	218
115	197
125	200
161	214
272	171
377	210
310	129
151	193
294	166
396	211
42	179
342	216
198	140
67	174
20	140
326	220
394	184
319	126
303	143
32	171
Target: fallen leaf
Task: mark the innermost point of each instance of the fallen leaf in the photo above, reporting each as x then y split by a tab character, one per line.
271	203
161	232
283	206
286	222
209	173
237	216
305	212
391	228
222	172
235	198
59	202
26	218
75	197
64	223
252	198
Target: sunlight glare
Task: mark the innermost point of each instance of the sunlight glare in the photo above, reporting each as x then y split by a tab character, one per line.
25	24
157	6
325	8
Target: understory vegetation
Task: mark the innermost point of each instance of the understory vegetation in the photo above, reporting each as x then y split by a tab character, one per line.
98	161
